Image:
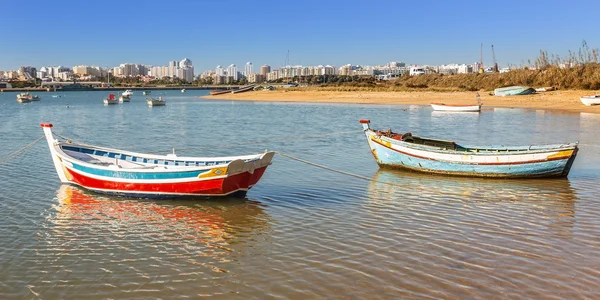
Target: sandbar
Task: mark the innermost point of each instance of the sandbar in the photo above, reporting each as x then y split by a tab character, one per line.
563	100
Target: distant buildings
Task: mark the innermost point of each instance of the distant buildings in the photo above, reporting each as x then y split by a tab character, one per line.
264	70
183	69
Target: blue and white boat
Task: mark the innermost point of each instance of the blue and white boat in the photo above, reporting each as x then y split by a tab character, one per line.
514	91
406	151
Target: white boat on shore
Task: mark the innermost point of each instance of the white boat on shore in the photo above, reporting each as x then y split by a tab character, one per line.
590	100
156	101
456	107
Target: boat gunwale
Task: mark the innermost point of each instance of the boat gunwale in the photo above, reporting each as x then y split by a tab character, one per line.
481	150
166	168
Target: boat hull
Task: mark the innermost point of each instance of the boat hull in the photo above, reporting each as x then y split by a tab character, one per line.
514	91
590	101
455	108
551	162
237	184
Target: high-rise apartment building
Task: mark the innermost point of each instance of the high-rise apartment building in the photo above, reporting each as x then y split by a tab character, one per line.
265	69
249	69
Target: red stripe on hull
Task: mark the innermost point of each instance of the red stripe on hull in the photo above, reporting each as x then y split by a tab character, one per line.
219	186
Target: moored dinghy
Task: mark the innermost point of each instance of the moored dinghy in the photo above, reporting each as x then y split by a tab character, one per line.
156	101
110	100
119	172
406	151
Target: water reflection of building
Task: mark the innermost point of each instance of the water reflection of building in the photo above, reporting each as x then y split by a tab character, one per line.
531	200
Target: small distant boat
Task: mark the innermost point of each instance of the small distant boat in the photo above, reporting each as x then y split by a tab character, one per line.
156	101
514	90
55	96
124	99
406	151
456	107
125	173
127	93
110	100
146	93
219	92
590	100
35	98
244	89
24	98
183	90
545	89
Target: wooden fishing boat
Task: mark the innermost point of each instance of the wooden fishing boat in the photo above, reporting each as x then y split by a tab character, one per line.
125	173
456	107
110	100
406	151
124	99
244	89
590	100
24	98
219	92
156	101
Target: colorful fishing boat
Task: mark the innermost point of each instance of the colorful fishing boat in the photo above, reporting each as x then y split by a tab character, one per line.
156	101
456	107
405	151
590	100
118	172
110	100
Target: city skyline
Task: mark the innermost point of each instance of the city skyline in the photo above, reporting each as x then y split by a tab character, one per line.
315	33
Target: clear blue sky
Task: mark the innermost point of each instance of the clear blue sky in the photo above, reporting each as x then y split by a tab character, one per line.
335	32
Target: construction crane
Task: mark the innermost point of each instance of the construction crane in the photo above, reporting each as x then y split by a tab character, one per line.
481	59
495	63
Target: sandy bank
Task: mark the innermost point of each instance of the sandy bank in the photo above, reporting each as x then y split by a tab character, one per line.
567	100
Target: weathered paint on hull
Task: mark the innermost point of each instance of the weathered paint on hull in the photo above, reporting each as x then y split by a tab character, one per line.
394	159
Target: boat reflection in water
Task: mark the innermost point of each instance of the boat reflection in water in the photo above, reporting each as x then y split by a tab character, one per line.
478	200
202	224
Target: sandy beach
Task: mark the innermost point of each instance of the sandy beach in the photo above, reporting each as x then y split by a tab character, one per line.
567	100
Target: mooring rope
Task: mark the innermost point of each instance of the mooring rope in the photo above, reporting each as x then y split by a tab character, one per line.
236	144
343	172
272	140
15	154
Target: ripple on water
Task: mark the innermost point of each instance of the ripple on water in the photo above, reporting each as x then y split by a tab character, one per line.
303	231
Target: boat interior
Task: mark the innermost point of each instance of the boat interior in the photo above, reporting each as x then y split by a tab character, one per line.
450	145
120	160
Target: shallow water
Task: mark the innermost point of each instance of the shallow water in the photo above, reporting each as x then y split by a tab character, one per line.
303	232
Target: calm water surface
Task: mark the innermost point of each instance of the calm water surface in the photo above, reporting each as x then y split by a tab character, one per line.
302	232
